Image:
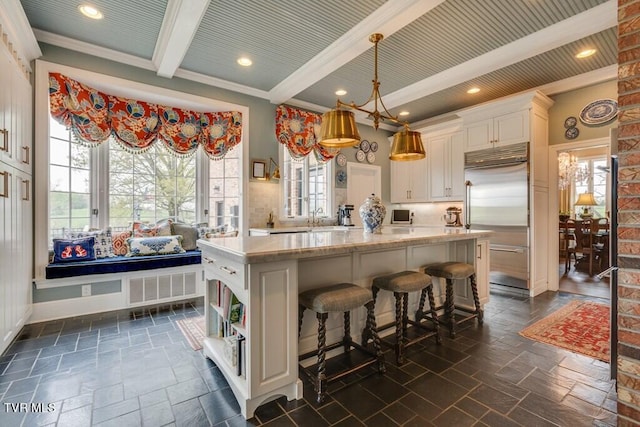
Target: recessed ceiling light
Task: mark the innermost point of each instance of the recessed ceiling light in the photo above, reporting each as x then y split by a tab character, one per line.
341	92
403	113
244	61
473	90
90	11
585	53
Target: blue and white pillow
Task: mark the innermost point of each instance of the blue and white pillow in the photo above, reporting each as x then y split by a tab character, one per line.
103	247
158	245
71	250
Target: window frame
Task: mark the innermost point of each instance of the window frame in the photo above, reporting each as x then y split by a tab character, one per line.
331	192
130	89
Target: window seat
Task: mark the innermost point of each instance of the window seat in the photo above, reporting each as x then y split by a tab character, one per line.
121	264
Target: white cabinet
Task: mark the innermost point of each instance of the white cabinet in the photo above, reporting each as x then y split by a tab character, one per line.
267	363
15	114
409	181
446	166
497	131
16	221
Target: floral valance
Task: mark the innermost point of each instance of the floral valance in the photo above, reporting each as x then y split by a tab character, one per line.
94	116
299	131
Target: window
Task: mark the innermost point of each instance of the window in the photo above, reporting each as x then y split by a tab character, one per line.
593	180
306	186
69	182
224	190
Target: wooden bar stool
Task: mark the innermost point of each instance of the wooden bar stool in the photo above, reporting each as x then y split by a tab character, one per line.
451	271
342	297
401	284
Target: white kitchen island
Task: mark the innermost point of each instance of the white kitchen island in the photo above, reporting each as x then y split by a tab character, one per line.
267	273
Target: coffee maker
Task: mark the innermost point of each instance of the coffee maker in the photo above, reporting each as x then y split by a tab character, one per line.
344	215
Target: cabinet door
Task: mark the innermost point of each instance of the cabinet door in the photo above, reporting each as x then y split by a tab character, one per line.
482	269
438	154
419	180
400	182
479	135
512	128
6	278
5	105
456	171
22	106
22	206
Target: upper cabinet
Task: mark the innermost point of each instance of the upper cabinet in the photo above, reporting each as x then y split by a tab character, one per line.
15	115
510	128
515	119
446	165
409	181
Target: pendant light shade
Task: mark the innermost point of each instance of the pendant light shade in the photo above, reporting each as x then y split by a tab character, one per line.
339	129
407	145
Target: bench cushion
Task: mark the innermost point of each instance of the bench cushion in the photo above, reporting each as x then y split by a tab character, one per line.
121	264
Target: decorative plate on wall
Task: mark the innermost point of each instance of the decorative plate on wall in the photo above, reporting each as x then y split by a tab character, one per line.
371	157
570	122
360	156
341	179
341	159
364	145
571	133
374	146
599	112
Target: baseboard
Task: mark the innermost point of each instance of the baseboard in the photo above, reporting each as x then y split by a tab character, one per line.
60	309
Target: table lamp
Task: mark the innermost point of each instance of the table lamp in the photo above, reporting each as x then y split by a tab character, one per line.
585	200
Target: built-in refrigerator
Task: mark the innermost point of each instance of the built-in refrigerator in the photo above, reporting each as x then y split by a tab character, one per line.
497	198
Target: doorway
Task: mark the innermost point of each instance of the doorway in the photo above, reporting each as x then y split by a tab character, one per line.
587	175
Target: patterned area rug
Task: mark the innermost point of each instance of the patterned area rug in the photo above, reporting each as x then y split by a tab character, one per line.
193	330
580	326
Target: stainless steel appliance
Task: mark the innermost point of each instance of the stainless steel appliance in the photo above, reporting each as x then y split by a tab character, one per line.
344	215
497	198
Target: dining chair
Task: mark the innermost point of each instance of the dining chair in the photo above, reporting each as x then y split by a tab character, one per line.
569	243
584	242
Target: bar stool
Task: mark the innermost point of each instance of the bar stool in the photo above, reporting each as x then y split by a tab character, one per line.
342	297
401	284
451	271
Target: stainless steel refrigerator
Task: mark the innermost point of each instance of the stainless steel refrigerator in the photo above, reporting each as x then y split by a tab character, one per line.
497	198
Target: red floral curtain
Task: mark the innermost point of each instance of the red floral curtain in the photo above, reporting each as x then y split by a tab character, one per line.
299	131
94	116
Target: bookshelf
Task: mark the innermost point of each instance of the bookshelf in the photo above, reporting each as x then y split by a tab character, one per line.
250	310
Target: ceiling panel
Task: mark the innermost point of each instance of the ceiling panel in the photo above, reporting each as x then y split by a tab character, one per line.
128	26
549	67
279	36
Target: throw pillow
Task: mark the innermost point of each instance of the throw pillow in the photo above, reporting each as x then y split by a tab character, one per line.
159	245
204	230
69	250
119	242
103	247
141	229
189	235
164	227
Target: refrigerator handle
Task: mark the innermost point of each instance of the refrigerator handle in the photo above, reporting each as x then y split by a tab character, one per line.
467	208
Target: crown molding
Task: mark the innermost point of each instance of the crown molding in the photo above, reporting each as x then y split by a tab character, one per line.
20	38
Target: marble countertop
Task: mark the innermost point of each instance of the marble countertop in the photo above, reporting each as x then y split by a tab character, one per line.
278	247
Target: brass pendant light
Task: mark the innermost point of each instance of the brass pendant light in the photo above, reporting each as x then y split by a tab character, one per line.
339	128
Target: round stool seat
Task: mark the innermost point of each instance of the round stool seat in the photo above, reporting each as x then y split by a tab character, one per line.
450	270
341	297
404	281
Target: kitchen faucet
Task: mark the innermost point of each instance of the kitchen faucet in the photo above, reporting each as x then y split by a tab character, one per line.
313	216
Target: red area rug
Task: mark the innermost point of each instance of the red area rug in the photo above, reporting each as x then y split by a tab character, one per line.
580	326
193	330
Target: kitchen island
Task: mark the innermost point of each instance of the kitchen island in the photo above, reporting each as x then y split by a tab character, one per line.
252	286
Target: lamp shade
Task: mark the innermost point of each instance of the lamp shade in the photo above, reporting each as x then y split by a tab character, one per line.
339	129
586	199
407	145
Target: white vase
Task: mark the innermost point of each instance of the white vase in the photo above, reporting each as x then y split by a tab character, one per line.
372	213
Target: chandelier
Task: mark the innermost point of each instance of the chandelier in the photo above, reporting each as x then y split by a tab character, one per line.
339	128
569	170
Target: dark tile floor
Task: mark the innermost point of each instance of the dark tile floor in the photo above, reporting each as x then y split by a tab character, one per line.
132	368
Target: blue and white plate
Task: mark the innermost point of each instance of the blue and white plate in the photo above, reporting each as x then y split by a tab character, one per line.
599	112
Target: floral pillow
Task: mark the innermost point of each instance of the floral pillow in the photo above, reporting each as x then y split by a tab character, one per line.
103	247
159	245
162	228
119	242
70	250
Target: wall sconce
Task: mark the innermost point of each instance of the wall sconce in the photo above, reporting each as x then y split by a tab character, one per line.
276	170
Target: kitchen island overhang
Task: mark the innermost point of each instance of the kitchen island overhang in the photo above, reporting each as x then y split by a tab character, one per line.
266	274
